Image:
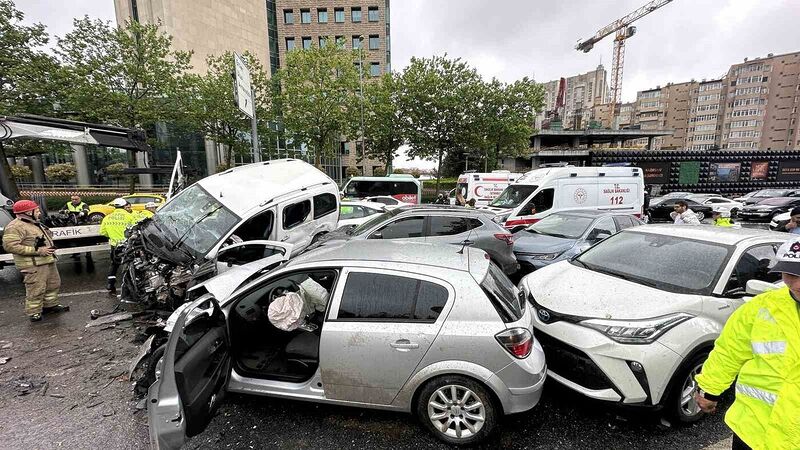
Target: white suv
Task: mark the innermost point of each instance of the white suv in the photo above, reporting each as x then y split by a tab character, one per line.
632	319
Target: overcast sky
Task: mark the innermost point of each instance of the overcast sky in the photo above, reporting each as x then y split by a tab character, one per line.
509	39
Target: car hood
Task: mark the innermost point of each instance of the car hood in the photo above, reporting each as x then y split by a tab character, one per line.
528	242
567	289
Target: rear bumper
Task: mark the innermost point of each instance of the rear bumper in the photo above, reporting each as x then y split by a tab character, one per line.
522	382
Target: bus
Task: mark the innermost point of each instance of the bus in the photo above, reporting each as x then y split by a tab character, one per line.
403	187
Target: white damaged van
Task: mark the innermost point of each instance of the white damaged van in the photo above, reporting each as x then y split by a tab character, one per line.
542	192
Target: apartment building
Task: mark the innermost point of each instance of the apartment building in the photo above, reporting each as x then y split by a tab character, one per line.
753	106
361	25
583	93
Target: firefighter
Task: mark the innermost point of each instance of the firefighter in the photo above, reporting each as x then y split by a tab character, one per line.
31	243
147	213
760	349
113	227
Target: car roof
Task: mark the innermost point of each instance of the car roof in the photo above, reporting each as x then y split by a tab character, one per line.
445	256
445	209
245	187
592	213
374	205
710	233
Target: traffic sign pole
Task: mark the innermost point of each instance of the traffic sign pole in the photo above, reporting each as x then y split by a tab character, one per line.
254	132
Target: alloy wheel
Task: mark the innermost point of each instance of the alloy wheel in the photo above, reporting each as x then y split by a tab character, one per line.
689	406
456	411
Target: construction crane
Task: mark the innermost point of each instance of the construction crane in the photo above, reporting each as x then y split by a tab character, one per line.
623	29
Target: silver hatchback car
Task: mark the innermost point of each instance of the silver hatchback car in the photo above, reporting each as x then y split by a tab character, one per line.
433	330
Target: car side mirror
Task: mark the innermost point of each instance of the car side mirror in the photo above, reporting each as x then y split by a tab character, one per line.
756	287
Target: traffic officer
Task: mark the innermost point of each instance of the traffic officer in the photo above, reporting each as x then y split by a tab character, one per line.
75	205
760	348
721	217
31	243
113	227
148	212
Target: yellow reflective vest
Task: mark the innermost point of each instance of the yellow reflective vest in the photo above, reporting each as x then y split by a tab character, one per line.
138	216
723	222
114	225
73	208
761	345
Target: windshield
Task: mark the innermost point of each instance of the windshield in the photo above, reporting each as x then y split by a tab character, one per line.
562	225
513	196
670	263
366	226
369	188
770	193
503	294
197	218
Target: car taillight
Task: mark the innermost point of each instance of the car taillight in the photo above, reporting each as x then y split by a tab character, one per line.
507	237
518	342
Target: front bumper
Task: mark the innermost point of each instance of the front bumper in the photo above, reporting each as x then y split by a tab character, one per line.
522	380
588	362
754	215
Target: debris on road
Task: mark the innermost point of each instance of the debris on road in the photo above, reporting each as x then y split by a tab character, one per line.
5	359
110	319
6	345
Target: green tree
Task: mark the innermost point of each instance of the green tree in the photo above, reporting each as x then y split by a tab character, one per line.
506	117
21	172
438	106
352	171
318	97
212	111
27	75
383	126
60	172
123	75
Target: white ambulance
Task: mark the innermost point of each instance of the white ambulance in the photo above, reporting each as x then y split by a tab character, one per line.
483	187
541	192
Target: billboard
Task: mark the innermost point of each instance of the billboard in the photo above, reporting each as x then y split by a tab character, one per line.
655	172
690	172
724	172
789	171
759	170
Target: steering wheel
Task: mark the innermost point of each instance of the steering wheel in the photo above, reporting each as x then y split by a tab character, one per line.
281	291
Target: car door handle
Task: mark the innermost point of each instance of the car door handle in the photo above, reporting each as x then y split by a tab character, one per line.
403	345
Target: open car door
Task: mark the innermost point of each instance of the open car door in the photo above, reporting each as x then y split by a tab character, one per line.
250	251
191	377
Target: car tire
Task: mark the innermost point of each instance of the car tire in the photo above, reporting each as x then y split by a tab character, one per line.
700	215
681	405
96	218
734	213
447	420
149	375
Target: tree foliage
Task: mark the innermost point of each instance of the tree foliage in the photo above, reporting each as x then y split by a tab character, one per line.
438	106
21	172
212	111
319	97
383	125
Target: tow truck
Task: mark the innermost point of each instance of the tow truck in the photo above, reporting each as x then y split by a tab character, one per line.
73	239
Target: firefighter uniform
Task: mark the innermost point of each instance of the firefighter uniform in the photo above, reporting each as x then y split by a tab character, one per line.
40	273
760	345
113	227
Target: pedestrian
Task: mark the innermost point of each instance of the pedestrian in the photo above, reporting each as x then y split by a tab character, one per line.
793	225
759	347
683	215
113	227
471	203
646	203
32	245
148	212
460	198
721	217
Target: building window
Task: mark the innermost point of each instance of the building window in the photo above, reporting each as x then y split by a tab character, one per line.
338	14
289	44
340	41
356	42
305	16
355	14
375	69
288	16
306	43
374	15
322	41
374	42
322	15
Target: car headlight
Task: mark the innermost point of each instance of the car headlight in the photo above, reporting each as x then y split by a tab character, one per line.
544	256
636	331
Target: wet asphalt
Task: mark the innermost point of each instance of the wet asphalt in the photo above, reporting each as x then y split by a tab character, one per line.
65	387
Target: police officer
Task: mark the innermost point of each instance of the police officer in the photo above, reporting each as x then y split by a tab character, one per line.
113	227
148	212
760	349
721	217
75	205
31	243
